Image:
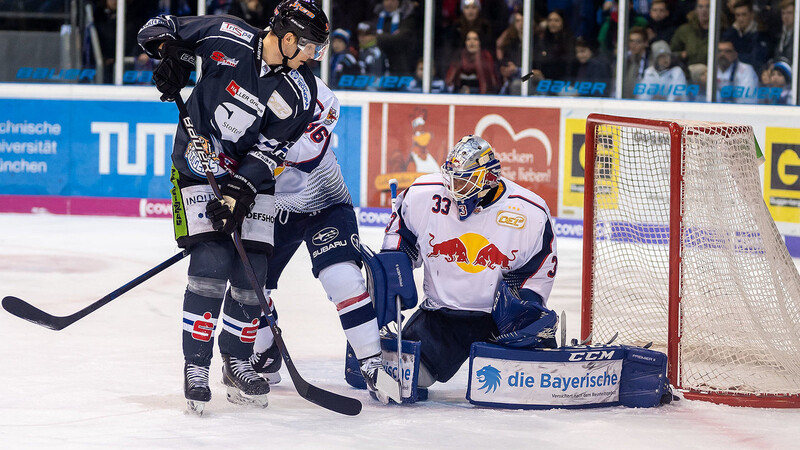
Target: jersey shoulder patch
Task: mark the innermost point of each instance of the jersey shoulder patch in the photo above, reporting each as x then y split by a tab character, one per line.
278	105
236	30
301	88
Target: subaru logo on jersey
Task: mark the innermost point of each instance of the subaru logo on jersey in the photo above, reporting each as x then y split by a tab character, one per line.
325	235
223	60
236	30
489	377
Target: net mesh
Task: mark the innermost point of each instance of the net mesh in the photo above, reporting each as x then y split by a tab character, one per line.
739	289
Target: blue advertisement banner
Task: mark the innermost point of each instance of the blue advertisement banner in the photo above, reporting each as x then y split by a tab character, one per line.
112	148
347	146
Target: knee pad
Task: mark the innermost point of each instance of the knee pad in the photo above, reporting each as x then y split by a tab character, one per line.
207	287
244	296
342	281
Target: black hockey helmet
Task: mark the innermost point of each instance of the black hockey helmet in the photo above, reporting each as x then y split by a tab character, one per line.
307	21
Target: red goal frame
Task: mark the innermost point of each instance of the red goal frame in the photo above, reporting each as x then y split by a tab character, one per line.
676	183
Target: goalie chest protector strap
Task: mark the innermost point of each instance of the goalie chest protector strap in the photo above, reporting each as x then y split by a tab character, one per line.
567	377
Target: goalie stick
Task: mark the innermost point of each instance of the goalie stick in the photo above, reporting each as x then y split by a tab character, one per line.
25	310
326	399
399	399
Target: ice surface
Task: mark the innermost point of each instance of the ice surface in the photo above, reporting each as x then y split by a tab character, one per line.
114	378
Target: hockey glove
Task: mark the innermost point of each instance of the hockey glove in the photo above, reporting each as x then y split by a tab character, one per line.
177	63
238	199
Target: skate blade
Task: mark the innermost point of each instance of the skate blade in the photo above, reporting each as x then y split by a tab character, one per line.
240	398
388	388
195	407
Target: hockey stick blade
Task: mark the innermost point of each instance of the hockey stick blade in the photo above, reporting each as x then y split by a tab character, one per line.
326	399
26	311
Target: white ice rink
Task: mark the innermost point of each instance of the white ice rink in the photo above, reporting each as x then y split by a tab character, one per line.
114	379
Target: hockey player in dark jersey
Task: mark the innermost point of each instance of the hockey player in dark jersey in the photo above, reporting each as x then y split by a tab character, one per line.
254	99
314	207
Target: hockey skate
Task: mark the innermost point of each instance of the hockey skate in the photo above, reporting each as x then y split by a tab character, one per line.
381	385
245	386
268	364
195	387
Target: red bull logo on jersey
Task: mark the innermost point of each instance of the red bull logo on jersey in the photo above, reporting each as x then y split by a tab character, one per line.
491	257
471	252
451	249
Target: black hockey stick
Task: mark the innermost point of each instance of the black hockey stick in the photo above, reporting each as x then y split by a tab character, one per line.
326	399
25	310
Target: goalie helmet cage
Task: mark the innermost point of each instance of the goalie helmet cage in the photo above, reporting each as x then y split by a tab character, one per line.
680	250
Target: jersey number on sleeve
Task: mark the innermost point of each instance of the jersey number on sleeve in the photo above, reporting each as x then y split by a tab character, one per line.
317	133
552	272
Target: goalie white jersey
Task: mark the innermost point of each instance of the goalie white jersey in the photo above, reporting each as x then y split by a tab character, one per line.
311	179
511	239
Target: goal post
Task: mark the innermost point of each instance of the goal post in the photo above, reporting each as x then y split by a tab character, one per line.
679	249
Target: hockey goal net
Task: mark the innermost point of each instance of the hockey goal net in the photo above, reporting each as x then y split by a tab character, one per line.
681	251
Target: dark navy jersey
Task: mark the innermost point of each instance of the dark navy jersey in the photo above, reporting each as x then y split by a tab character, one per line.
248	111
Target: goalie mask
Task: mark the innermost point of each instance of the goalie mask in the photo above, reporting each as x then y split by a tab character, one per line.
470	171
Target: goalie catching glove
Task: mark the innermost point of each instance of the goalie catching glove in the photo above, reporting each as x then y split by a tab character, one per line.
522	320
177	64
238	199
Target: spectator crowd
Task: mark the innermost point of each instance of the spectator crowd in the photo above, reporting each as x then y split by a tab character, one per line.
478	45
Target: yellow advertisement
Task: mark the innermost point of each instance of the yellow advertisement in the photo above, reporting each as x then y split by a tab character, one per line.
782	173
606	164
574	157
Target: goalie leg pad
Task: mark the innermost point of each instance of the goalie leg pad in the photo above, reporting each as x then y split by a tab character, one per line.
644	382
567	377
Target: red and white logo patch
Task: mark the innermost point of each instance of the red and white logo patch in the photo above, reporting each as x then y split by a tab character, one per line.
246	97
236	30
249	333
202	330
221	59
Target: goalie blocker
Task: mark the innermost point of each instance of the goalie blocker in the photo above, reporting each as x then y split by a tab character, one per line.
567	377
